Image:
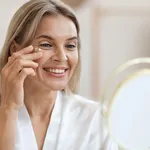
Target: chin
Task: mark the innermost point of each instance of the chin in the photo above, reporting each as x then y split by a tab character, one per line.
56	86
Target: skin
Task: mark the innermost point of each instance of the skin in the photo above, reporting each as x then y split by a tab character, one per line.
57	37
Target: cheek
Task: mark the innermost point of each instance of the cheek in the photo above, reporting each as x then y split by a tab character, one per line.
43	59
74	60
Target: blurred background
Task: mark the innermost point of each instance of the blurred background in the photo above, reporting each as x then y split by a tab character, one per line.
112	32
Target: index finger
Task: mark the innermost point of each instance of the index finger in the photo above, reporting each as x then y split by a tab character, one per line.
15	55
25	50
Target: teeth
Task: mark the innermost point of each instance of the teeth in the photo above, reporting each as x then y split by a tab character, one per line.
55	70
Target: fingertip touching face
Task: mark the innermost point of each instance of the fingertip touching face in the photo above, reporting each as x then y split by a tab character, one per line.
57	37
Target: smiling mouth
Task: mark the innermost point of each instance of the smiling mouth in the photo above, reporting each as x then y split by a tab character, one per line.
56	71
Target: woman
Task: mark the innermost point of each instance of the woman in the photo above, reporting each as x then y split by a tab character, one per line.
40	69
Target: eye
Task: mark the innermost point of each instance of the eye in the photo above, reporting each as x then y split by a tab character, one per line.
71	46
46	45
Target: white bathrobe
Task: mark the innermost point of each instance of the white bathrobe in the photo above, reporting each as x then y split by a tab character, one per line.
76	124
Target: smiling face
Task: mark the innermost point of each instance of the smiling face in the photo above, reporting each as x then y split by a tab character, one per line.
57	37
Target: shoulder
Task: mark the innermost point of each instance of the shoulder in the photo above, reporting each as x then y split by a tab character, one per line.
82	107
87	104
84	101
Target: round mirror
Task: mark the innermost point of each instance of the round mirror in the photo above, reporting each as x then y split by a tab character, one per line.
126	105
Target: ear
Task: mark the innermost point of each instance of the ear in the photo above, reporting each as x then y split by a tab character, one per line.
14	47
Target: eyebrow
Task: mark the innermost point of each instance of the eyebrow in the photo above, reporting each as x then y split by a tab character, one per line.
51	38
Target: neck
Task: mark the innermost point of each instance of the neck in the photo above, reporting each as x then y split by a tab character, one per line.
38	100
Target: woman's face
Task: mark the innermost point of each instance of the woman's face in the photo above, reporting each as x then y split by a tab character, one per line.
57	37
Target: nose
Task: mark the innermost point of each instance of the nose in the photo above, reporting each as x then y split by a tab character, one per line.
60	55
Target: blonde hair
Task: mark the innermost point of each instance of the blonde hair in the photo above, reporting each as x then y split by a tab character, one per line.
24	24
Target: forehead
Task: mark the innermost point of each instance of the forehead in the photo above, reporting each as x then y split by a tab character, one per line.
56	26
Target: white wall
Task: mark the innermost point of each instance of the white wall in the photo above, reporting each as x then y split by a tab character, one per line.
122	38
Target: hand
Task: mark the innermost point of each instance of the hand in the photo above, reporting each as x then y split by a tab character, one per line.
20	65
